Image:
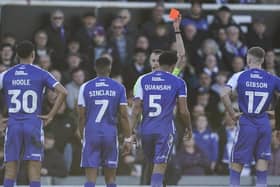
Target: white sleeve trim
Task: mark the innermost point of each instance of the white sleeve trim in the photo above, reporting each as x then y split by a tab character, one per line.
138	90
125	104
182	96
81	98
233	81
2	79
55	84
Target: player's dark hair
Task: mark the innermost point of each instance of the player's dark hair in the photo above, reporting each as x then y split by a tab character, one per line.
257	52
157	51
25	49
102	65
168	58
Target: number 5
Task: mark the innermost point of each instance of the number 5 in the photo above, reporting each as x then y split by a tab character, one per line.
154	105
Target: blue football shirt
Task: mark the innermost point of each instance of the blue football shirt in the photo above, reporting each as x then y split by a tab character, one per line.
159	91
255	88
24	86
102	98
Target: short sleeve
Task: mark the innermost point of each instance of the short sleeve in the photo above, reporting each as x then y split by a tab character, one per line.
81	97
50	81
182	92
123	99
233	81
2	79
138	90
277	84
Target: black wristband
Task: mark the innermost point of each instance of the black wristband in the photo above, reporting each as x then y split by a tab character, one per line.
178	32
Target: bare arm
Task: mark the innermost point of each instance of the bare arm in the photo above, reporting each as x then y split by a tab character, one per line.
61	95
82	120
136	112
124	121
181	53
185	115
225	97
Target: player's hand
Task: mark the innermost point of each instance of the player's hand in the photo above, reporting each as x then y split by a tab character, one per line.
44	171
235	116
177	22
188	134
46	118
126	148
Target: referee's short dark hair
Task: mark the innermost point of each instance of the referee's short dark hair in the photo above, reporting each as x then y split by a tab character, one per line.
102	65
168	58
25	49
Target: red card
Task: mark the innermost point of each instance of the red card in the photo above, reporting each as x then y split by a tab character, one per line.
174	13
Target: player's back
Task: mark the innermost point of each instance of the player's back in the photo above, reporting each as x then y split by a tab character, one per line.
23	87
102	98
255	88
160	91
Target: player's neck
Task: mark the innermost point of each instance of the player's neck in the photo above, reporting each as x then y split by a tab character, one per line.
26	61
103	75
252	66
164	68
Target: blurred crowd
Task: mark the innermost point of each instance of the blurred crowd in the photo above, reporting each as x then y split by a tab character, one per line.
215	50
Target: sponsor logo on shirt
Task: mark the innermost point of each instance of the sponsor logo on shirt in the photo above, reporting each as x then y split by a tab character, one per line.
101	84
18	73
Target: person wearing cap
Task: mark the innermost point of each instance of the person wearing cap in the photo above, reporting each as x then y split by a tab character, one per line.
222	19
99	43
86	32
257	34
196	16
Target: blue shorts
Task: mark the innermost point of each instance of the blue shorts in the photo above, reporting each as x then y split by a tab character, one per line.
253	141
100	151
24	138
157	147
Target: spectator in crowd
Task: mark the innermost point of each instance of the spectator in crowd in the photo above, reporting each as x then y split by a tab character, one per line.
57	74
7	54
257	35
220	82
191	159
211	66
206	140
143	42
73	61
135	69
73	46
196	16
86	32
58	34
129	28
122	44
149	28
274	164
197	110
53	164
40	41
237	64
63	127
161	39
3	68
9	38
208	47
192	41
78	78
44	62
223	19
221	37
226	133
270	63
234	46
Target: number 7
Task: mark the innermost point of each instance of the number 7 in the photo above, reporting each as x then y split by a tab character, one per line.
104	104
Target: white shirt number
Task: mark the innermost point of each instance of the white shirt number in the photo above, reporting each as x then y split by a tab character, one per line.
23	104
251	95
154	105
104	105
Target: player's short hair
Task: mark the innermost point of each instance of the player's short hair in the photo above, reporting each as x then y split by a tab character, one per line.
168	58
257	52
157	51
25	49
102	65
